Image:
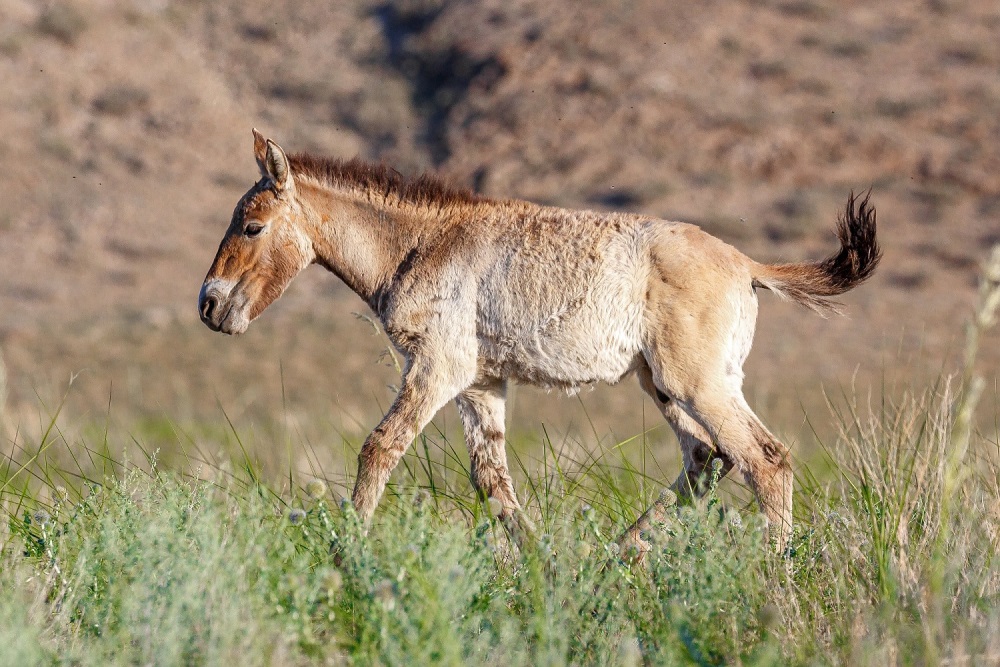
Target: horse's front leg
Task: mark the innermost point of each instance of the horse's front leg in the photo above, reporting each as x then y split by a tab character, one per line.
481	407
429	382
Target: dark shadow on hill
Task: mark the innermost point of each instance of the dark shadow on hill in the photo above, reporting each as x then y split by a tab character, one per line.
440	67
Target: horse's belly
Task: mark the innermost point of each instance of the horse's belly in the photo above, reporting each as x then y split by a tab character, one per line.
571	320
567	351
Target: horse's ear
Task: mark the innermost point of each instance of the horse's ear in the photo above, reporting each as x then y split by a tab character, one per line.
260	151
272	162
277	167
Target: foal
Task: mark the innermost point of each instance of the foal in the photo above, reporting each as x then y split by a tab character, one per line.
476	292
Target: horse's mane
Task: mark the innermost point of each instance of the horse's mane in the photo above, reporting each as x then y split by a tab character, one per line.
425	189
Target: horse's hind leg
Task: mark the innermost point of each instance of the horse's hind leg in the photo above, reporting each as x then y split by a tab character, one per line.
696	445
482	410
716	403
764	461
699	340
698	453
743	442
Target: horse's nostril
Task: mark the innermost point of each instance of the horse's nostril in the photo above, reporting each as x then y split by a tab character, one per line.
208	305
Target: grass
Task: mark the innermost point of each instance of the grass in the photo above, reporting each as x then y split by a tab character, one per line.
107	562
154	567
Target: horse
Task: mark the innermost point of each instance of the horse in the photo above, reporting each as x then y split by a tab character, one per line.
476	292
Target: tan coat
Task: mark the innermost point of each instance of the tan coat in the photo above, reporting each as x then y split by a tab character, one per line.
476	292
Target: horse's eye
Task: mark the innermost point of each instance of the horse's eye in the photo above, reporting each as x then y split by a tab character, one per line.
252	230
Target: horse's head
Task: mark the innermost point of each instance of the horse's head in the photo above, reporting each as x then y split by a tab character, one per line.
263	249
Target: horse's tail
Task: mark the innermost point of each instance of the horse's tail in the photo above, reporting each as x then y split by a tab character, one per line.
813	283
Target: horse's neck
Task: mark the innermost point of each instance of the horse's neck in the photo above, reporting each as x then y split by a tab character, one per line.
364	240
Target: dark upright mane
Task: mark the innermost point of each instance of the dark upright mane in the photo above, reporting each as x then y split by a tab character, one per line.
423	189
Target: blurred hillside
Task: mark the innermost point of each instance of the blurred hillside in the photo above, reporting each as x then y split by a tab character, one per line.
126	142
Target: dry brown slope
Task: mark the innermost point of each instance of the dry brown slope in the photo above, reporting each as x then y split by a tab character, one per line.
125	145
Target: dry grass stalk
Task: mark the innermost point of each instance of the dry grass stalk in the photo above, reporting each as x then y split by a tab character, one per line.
3	396
984	318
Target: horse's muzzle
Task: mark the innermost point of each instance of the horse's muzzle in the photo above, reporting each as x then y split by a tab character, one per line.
210	308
